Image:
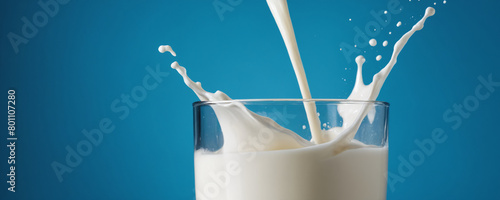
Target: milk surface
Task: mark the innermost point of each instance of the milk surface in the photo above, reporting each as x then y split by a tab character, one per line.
294	174
283	165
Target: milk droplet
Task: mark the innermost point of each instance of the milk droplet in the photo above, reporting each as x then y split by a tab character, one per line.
350	19
165	48
430	11
341	49
385	43
378	57
434	3
385	11
444	2
304	127
360	59
324	125
390	33
373	42
398	24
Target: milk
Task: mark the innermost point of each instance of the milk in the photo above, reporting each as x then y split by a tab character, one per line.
295	174
283	165
279	9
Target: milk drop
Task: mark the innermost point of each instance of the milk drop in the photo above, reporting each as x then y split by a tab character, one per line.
165	48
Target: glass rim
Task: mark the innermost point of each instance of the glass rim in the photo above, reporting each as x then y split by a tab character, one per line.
336	101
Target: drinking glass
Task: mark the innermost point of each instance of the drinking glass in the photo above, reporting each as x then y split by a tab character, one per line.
239	155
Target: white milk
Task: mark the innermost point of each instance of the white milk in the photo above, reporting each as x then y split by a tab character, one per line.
283	165
279	9
295	174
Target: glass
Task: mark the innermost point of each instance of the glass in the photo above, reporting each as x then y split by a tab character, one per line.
265	153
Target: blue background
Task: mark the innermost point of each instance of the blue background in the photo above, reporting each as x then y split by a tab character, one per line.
91	52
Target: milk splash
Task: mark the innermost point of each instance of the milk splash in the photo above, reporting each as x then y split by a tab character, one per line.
295	168
339	138
353	114
239	125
